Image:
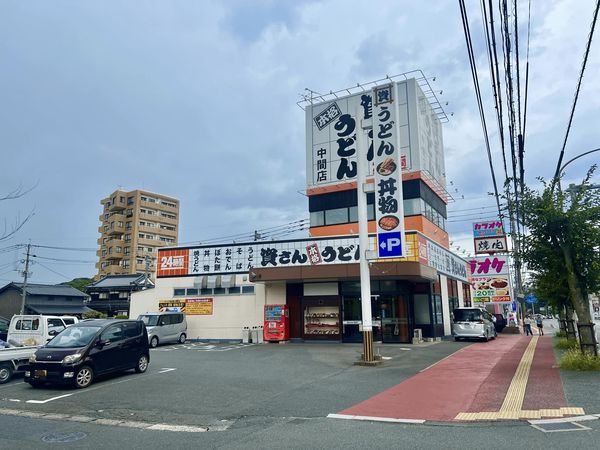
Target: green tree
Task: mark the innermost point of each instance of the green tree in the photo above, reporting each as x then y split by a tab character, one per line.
79	283
562	244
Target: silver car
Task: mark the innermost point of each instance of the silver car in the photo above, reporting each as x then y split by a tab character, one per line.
165	327
473	323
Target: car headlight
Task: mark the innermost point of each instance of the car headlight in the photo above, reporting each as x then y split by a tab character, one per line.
32	358
70	359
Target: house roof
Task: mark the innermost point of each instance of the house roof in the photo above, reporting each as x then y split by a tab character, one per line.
54	310
47	289
116	281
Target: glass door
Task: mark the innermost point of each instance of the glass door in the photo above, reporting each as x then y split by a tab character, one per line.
395	326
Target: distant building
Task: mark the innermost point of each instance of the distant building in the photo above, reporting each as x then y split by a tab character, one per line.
111	295
46	299
134	225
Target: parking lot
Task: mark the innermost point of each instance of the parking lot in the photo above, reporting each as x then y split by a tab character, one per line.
223	395
216	385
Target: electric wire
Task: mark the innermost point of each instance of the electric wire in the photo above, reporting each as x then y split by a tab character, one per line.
585	58
474	75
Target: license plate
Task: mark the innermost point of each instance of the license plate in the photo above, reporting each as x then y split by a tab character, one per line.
41	373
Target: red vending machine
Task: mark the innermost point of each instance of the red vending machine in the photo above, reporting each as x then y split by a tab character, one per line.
277	323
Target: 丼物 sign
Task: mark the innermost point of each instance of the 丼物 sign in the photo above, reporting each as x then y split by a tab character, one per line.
389	205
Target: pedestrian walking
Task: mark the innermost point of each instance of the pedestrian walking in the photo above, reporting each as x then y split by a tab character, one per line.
527	326
539	322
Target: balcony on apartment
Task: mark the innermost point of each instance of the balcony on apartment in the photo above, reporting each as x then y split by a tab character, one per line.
116	229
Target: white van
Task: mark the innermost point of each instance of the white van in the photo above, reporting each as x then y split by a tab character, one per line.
164	327
33	329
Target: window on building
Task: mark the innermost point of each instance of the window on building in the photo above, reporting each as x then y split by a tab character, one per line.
192	291
125	264
178	292
336	216
247	289
234	290
140	260
121	199
206	291
118	249
219	291
130	200
103	295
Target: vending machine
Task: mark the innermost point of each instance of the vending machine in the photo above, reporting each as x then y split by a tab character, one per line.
277	323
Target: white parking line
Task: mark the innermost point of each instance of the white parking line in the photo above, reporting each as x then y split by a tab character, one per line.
96	387
41	402
165	370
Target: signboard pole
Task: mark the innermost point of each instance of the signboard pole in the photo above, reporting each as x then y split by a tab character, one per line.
363	242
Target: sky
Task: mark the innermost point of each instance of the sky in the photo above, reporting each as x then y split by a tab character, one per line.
198	100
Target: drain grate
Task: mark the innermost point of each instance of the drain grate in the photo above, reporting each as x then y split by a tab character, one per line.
64	437
559	426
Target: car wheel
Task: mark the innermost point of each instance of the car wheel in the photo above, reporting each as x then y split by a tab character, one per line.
6	372
84	377
487	336
154	342
182	338
142	364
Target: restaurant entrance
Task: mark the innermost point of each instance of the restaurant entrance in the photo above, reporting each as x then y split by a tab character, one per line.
390	315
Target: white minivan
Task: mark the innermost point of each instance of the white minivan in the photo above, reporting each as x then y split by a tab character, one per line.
473	323
33	329
165	327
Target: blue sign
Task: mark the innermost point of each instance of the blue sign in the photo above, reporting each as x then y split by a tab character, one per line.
390	245
514	306
531	299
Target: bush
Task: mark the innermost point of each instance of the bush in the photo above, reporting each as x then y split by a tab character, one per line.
93	315
566	344
561	334
575	360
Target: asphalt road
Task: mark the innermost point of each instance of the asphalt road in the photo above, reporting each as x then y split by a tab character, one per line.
261	396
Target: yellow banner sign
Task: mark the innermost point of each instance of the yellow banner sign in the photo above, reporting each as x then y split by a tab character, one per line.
199	306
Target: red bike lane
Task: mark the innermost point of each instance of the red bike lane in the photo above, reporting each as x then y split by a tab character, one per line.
474	379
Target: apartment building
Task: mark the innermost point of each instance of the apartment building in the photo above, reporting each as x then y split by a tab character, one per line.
134	225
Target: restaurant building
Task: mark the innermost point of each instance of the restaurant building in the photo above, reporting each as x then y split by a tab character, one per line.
226	287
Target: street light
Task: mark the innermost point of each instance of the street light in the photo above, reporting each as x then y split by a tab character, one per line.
577	157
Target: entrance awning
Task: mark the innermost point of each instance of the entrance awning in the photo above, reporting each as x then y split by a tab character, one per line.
405	270
59	310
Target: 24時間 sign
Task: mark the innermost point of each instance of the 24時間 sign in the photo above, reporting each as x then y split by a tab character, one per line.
389	206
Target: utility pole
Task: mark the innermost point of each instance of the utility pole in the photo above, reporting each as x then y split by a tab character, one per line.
25	275
148	262
363	239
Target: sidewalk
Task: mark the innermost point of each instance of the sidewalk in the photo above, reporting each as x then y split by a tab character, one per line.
512	377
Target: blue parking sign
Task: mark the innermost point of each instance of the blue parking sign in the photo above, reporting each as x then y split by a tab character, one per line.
389	245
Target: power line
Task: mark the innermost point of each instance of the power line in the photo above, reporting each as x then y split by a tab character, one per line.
585	58
53	271
469	43
74	249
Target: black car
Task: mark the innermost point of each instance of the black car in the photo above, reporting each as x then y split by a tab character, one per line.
90	348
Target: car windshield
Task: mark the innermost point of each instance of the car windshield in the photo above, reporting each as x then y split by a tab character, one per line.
73	336
149	320
467	315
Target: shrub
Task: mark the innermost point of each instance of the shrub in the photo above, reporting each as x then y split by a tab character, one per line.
575	360
566	344
561	334
93	315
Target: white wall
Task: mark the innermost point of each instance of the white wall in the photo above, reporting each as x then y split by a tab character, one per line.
461	296
230	312
445	304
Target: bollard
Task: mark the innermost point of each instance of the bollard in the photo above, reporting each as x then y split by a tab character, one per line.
260	335
254	335
245	335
